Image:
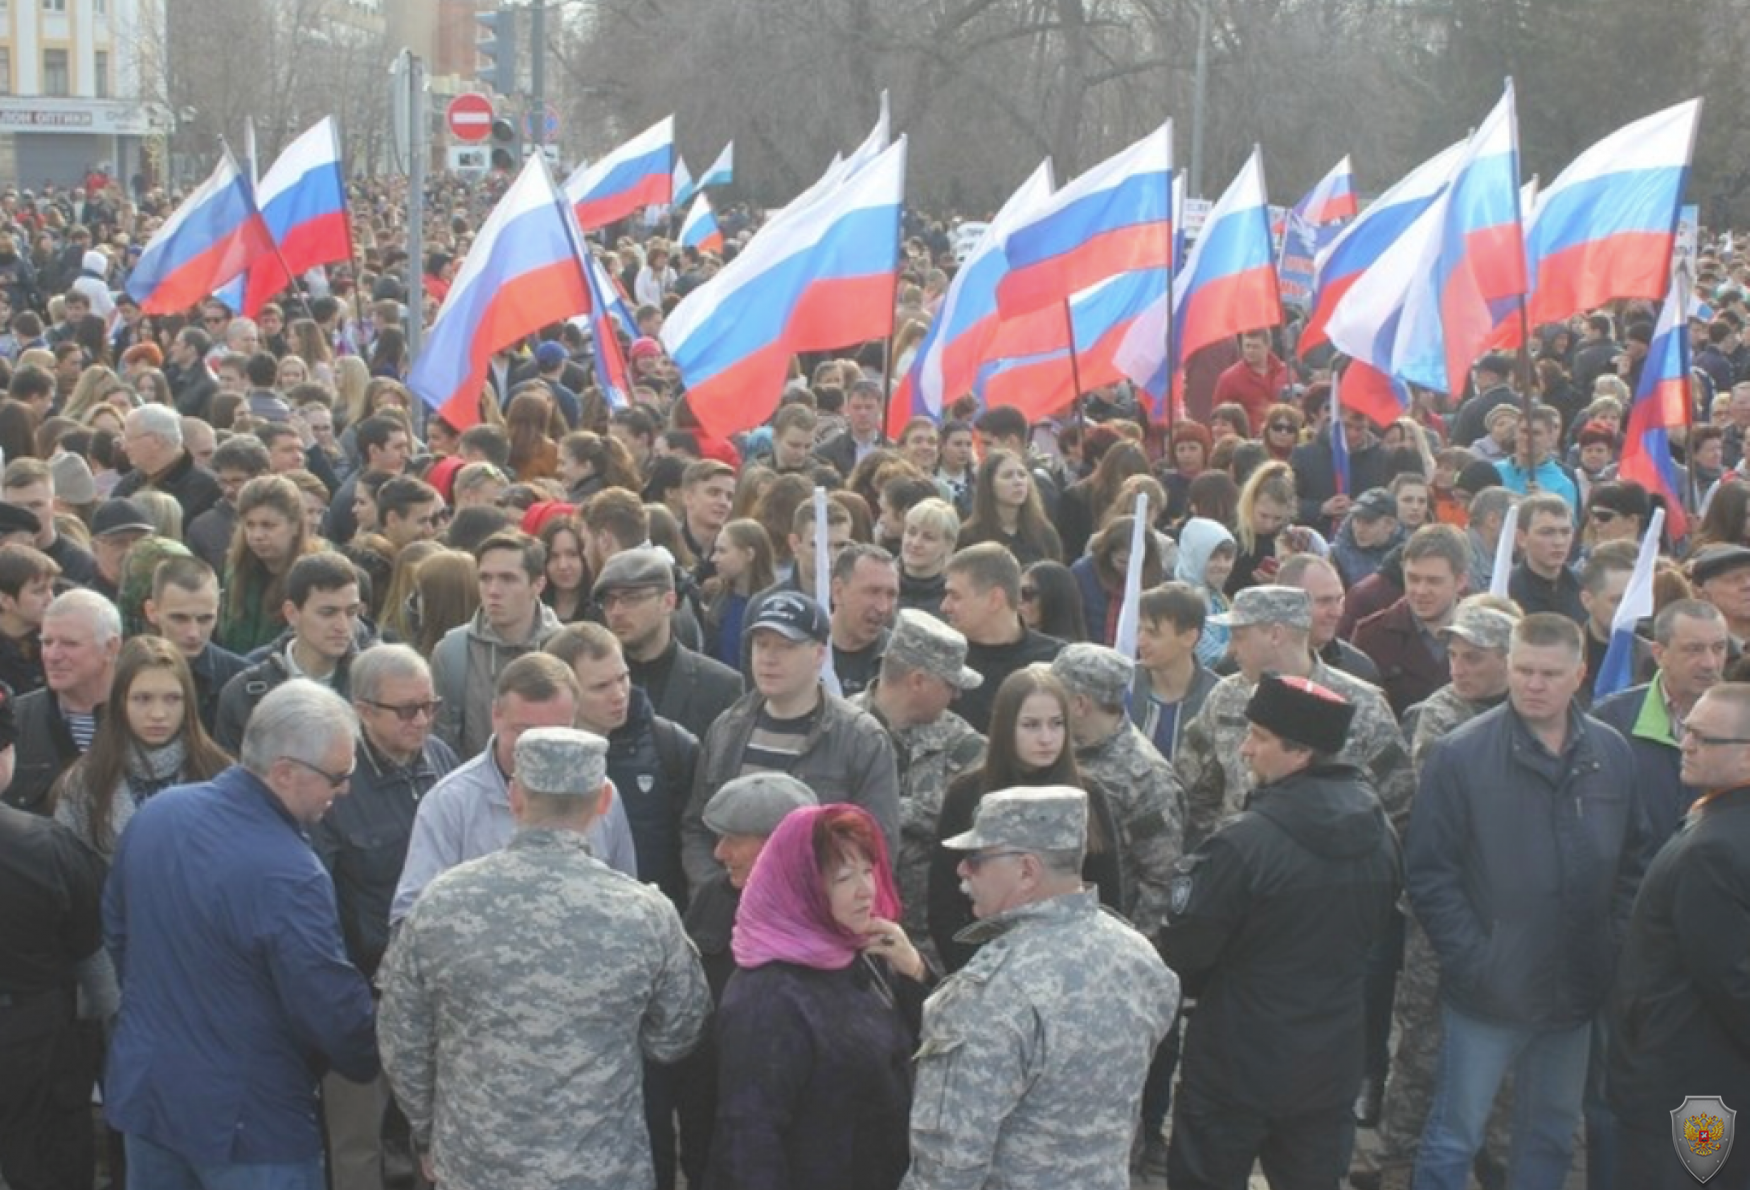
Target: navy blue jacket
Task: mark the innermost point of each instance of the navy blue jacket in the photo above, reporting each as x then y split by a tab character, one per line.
1522	867
651	762
1665	799
236	993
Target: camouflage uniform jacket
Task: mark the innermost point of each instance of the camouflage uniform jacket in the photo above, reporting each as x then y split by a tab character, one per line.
520	998
929	757
1149	804
1217	784
1033	1056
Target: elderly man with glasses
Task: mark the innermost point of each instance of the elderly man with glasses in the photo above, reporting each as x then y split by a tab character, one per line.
362	841
237	992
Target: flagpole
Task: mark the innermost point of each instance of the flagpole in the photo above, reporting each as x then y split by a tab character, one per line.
1173	218
1075	371
892	317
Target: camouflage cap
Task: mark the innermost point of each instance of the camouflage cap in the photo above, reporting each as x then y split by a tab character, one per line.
1484	627
1046	818
561	760
1094	670
636	569
756	803
1268	605
919	641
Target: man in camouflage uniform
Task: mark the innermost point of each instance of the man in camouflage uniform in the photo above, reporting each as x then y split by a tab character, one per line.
1271	627
1143	790
1030	1072
922	670
533	982
1476	650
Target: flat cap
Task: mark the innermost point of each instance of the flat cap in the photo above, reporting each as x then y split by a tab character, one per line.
1043	818
1302	712
919	641
15	518
561	760
1716	560
639	569
1268	605
794	616
756	803
120	515
1375	503
1484	627
1501	413
1102	674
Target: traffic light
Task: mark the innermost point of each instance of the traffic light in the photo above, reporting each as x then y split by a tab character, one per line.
507	149
498	43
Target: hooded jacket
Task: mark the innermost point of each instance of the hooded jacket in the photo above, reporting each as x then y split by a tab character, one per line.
1198	539
1270	925
465	668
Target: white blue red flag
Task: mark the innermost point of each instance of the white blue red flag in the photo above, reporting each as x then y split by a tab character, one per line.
1662	403
303	200
722	171
700	230
1616	672
638	174
212	237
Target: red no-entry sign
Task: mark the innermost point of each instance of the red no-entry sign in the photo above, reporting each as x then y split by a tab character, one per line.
470	117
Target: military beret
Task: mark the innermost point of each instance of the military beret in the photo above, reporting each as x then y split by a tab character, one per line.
561	760
1268	605
754	804
636	569
1102	674
919	641
1044	818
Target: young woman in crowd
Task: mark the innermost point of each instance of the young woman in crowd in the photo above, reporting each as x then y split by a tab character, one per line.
1206	559
1266	504
931	529
1029	745
567	589
1086	502
150	739
742	556
394	621
817	1026
271	534
1281	430
446	593
1188	447
533	454
1006	509
1100	575
1050	602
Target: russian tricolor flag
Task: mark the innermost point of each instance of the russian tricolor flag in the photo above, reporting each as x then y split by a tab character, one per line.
1616	672
822	277
1228	284
700	229
1605	228
638	174
722	171
524	272
1047	380
1662	403
954	348
610	360
1472	270
1115	218
682	185
212	237
303	199
1332	200
1374	231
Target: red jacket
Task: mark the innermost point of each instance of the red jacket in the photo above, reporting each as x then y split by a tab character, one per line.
1252	391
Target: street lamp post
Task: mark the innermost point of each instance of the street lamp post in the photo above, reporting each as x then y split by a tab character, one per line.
1199	97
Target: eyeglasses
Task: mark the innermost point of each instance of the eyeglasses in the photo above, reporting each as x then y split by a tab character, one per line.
1703	740
407	712
978	859
1602	515
1282	427
335	780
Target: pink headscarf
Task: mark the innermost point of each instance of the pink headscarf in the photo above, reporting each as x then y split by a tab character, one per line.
785	914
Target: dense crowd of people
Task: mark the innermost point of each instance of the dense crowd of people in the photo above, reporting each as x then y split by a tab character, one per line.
389	801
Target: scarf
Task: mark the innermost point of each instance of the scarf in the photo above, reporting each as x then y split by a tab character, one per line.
785	914
152	770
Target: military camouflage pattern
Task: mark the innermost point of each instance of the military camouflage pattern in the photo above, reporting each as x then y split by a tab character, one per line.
1216	782
1041	818
1030	1072
561	760
930	757
1096	672
519	999
1149	805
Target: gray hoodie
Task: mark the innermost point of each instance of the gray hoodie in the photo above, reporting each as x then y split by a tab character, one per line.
465	668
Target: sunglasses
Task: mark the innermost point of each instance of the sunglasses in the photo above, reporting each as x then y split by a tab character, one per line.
1602	515
1282	427
336	781
406	712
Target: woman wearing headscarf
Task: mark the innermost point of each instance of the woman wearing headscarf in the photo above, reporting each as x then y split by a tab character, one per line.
817	1026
